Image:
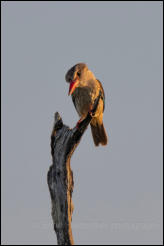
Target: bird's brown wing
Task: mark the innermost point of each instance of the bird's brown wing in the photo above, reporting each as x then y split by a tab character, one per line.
102	94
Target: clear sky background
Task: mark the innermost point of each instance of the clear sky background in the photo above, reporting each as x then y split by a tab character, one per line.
118	188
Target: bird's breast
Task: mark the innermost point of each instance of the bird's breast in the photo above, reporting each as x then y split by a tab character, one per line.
83	99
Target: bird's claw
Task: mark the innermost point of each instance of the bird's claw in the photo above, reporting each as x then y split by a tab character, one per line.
78	123
92	112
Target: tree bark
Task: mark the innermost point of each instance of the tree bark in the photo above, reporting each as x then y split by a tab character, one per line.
60	176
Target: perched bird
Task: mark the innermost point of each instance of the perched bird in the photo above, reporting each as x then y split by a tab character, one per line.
85	88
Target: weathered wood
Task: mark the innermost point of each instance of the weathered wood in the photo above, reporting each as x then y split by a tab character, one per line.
60	176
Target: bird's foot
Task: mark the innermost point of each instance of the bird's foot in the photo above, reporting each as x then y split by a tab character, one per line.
91	111
78	123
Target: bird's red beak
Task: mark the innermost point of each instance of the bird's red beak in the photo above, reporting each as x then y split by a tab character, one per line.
72	87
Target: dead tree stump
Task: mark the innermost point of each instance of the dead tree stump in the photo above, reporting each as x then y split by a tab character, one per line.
60	176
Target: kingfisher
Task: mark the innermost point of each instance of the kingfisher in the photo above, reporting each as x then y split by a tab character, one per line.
84	89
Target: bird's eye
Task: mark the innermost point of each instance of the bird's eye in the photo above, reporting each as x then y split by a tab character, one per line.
78	74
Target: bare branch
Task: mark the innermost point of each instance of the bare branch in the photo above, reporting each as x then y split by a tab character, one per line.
60	176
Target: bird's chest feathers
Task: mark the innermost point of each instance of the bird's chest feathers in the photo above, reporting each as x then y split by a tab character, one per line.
84	98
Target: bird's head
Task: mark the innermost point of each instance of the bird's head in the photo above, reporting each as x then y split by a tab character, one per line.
77	76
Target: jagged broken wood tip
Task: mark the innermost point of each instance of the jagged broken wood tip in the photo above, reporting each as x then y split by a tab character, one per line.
58	121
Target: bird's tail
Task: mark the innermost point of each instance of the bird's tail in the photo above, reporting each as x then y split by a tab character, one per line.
98	133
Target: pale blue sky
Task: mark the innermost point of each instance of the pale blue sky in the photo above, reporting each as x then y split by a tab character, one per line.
118	188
